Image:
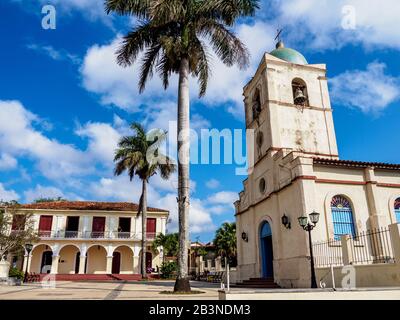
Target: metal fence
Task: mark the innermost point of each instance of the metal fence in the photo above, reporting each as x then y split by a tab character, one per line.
328	253
367	247
372	246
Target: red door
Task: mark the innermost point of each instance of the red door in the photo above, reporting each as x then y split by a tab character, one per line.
116	263
151	228
45	223
98	227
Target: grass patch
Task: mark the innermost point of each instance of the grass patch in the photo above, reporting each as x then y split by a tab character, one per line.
182	293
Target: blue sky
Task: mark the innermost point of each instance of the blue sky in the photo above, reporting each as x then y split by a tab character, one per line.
64	102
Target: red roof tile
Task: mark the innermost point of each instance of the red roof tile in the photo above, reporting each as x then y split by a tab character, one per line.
88	205
356	164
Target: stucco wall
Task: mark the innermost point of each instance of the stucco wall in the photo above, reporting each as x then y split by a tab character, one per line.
374	275
96	260
67	260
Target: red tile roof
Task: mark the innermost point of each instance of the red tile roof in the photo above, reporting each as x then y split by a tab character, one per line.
357	164
88	205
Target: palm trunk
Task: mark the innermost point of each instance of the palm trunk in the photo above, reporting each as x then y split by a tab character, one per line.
144	227
182	282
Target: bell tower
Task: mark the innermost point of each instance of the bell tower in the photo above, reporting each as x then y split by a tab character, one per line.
287	104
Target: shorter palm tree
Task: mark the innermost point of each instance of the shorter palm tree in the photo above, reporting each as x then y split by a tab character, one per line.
139	155
225	242
169	242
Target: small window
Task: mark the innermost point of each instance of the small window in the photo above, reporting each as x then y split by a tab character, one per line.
18	222
300	94
397	209
260	139
262	185
342	216
256	104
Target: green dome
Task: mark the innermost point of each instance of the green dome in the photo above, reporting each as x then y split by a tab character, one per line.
288	54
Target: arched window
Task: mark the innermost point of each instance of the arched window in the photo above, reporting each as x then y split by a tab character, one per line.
300	94
256	107
342	216
397	209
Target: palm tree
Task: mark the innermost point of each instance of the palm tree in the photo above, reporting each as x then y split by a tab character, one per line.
174	36
139	155
169	242
225	241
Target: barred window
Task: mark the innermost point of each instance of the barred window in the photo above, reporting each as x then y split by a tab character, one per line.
342	216
397	209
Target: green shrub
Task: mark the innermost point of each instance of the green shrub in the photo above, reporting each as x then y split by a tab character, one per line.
168	269
16	273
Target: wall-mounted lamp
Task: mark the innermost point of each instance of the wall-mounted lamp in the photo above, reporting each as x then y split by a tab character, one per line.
285	221
245	237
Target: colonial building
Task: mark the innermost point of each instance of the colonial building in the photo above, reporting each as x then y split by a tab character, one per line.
297	170
92	237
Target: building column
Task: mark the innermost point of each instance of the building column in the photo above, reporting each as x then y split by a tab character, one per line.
394	230
54	264
109	264
136	269
136	266
347	253
375	220
82	264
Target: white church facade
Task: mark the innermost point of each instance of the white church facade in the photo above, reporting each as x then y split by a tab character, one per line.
297	170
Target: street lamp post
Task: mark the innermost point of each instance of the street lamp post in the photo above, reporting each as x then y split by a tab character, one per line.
28	248
307	226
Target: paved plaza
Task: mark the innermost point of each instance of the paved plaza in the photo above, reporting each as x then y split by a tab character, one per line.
67	290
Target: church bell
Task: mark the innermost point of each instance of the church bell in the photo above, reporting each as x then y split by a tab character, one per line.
299	97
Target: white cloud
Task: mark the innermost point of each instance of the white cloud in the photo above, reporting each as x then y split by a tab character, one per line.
47	192
7	162
319	23
91	9
121	189
219	209
199	217
370	90
212	184
18	137
55	54
7	195
102	141
118	86
223	197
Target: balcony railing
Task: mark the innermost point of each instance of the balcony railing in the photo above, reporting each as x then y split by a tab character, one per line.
94	235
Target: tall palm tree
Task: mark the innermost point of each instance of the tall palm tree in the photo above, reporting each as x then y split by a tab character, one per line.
174	36
139	155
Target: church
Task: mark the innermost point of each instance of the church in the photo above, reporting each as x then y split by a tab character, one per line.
296	170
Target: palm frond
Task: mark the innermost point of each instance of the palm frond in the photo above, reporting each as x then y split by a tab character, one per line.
146	70
139	8
163	11
228	11
202	70
225	43
144	35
